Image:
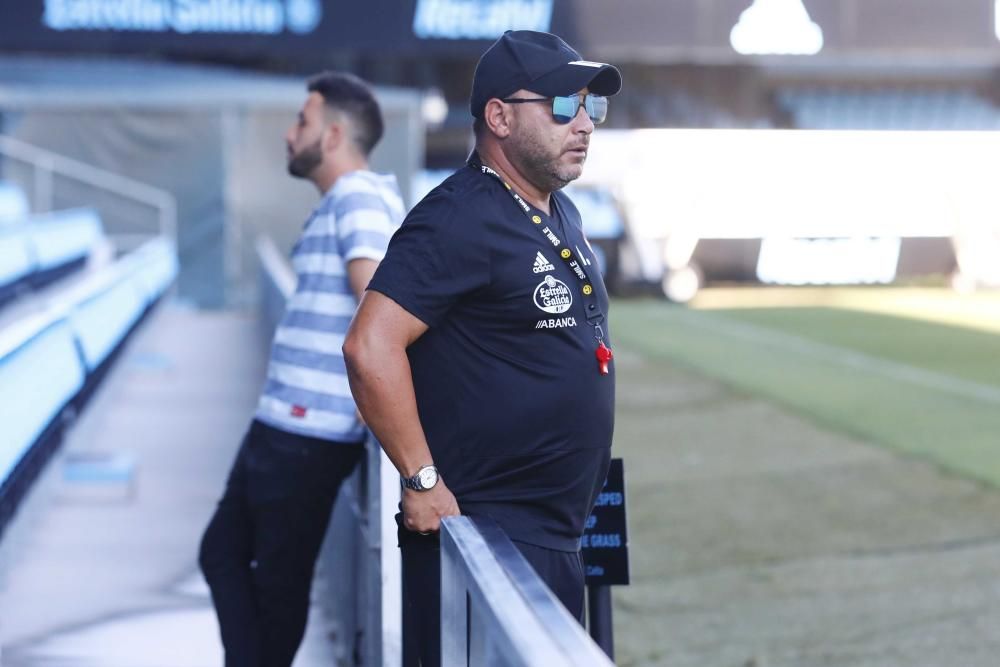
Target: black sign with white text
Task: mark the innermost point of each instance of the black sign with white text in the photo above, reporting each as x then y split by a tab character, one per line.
653	30
289	28
605	537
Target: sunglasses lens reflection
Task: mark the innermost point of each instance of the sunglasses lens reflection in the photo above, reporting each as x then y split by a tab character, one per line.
565	108
597	108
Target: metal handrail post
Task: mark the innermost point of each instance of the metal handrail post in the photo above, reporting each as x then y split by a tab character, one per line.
168	218
50	163
454	604
43	197
599	613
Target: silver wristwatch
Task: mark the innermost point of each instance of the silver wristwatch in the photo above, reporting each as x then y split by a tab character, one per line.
424	480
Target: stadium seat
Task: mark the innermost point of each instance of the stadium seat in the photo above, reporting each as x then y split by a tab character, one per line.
40	372
51	358
62	237
13	204
834	109
16	261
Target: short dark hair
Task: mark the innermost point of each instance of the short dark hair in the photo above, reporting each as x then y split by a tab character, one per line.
350	95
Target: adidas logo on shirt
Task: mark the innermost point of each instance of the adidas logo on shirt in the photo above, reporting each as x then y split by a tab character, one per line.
541	264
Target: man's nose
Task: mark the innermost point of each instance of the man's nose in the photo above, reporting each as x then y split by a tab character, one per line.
582	122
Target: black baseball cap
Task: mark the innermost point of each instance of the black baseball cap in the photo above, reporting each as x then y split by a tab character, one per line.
540	62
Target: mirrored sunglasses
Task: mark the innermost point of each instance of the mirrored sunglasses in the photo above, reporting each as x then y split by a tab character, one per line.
565	107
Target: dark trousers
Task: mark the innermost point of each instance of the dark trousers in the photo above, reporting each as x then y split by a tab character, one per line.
562	572
260	548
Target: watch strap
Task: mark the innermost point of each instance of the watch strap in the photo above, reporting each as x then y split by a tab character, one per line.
414	483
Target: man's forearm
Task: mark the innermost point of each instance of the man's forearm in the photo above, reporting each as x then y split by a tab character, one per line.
383	389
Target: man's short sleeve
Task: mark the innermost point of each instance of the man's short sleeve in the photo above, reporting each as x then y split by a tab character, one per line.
363	226
438	256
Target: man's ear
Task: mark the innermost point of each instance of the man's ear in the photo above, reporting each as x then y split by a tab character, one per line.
496	115
333	136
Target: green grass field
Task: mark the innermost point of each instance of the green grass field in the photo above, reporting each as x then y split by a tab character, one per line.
916	370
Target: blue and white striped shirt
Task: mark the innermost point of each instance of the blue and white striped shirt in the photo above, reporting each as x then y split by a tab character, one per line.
307	390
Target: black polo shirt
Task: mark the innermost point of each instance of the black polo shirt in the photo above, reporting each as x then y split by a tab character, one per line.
517	416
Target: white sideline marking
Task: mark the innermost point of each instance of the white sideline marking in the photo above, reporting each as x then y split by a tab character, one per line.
858	360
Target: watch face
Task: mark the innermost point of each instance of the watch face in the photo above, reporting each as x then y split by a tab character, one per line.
428	477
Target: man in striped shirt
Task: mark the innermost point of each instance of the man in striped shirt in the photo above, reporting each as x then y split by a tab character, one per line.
260	547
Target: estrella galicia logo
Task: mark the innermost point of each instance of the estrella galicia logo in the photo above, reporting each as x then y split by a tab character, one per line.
303	16
553	296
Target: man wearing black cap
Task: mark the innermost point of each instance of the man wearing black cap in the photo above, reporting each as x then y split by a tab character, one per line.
480	355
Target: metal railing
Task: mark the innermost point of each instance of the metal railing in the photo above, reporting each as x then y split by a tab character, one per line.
496	611
46	165
276	283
